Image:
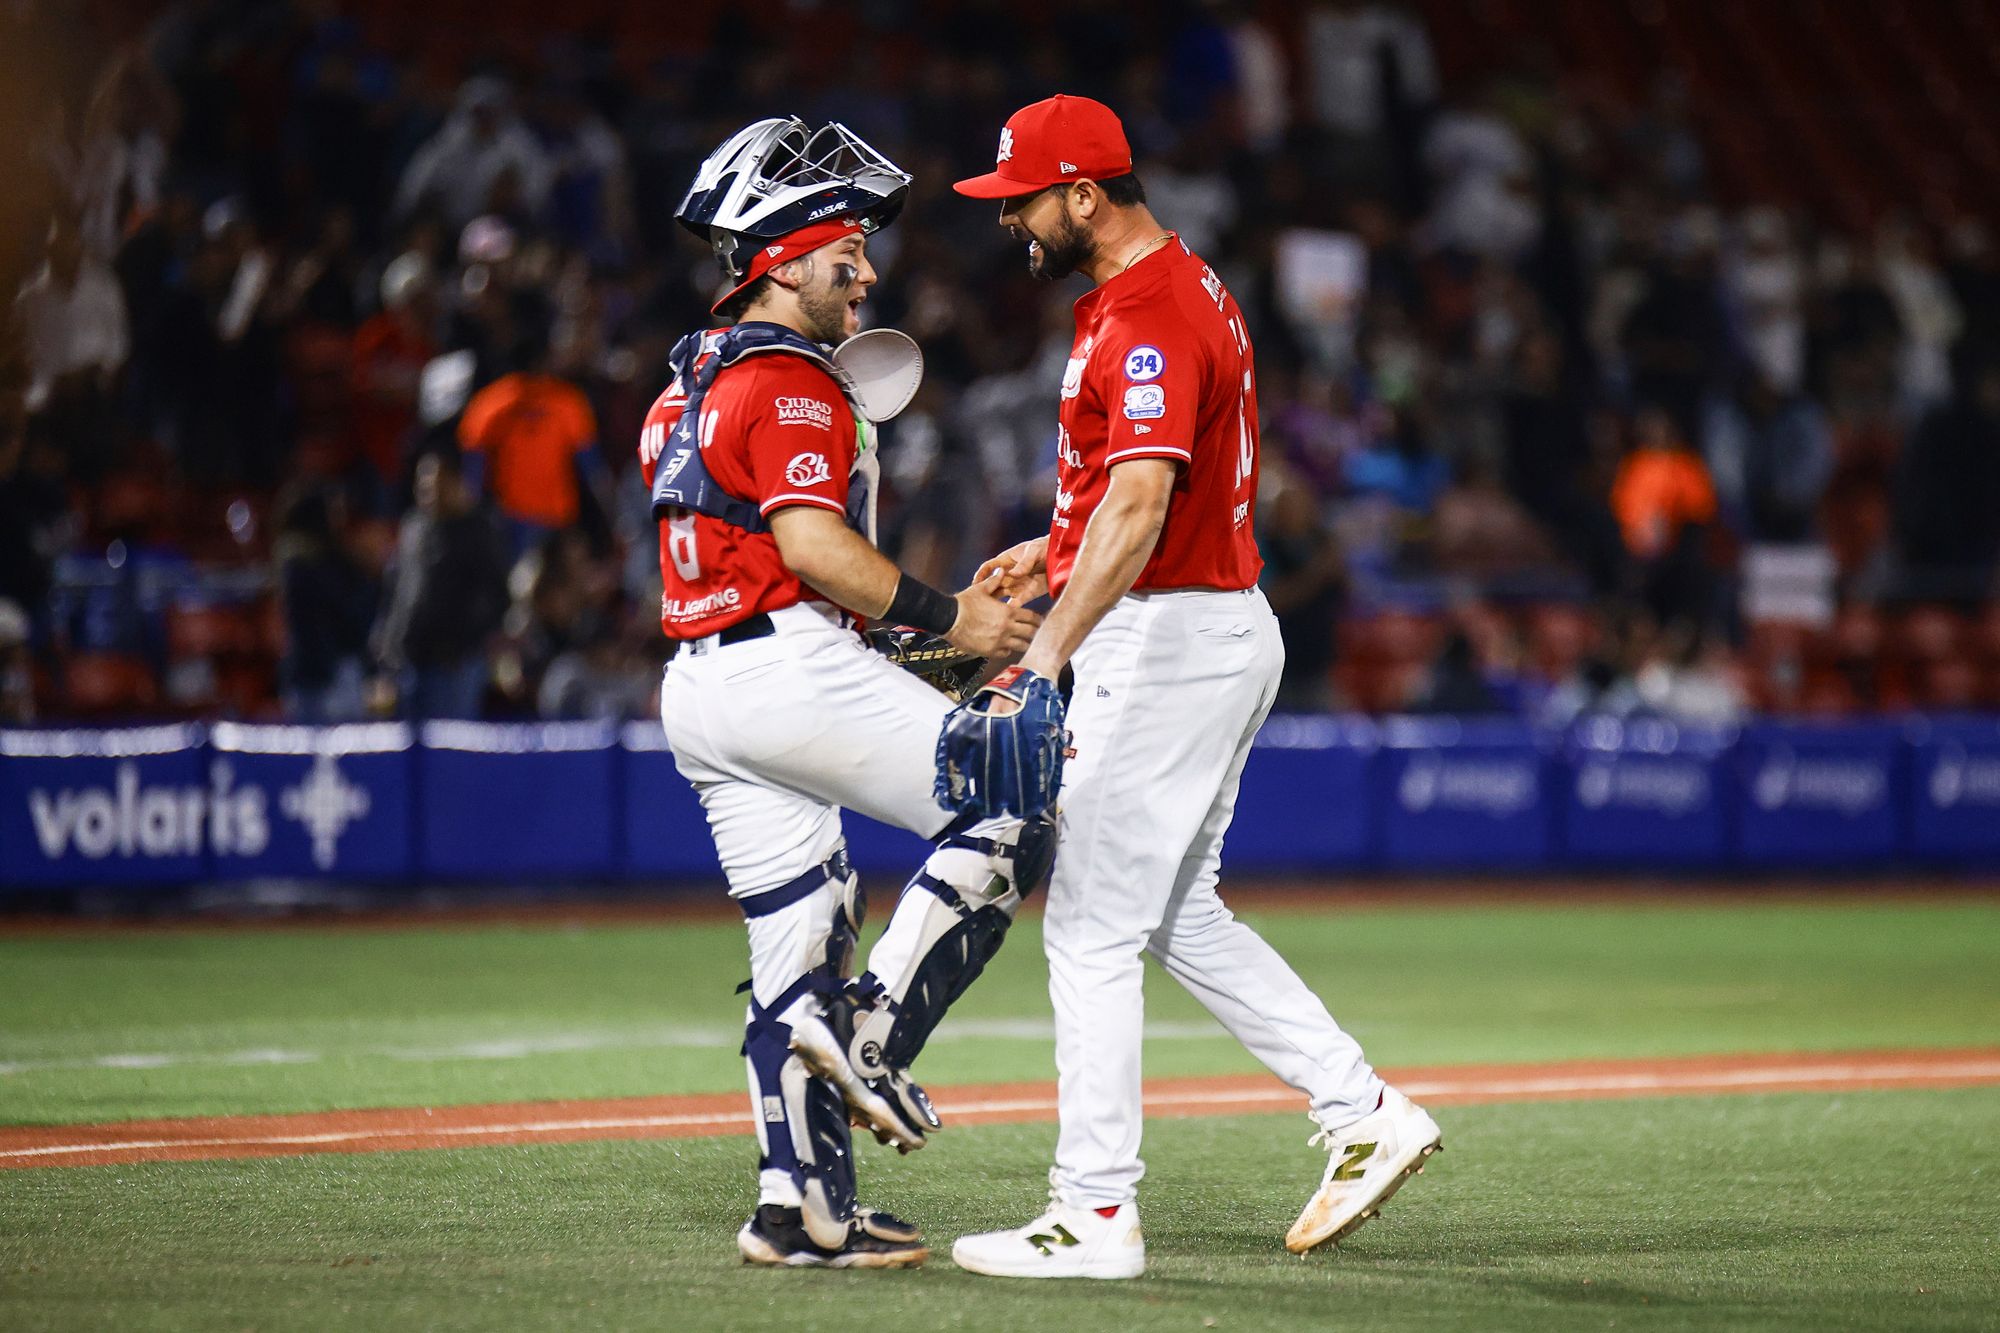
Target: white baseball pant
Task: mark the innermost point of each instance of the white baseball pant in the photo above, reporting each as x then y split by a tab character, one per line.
1170	689
779	734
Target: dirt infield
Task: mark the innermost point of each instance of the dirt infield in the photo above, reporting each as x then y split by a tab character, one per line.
404	1129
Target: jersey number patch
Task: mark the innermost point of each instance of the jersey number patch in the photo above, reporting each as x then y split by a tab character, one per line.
1144	363
681	547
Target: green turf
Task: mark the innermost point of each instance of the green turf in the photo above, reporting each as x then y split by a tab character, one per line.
129	1023
1863	1211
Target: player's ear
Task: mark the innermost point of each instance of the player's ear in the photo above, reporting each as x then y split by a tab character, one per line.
791	275
1084	197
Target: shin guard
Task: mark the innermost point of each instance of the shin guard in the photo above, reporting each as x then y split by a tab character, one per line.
951	919
805	1145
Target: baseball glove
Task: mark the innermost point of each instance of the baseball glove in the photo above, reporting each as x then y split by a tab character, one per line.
930	657
991	763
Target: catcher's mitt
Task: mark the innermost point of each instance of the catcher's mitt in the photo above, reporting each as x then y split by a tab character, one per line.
991	764
931	657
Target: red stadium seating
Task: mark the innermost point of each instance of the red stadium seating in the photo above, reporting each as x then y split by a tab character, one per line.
1856	110
1559	638
212	631
102	684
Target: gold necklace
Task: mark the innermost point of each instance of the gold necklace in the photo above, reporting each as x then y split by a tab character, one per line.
1147	249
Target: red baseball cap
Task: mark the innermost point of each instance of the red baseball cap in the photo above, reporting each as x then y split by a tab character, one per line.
1062	138
777	250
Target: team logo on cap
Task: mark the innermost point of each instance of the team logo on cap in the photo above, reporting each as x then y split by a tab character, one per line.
1006	147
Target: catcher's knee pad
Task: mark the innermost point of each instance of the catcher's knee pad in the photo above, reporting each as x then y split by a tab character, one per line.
952	917
802	1123
807	926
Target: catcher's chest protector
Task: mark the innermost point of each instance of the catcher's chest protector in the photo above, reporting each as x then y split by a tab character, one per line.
681	479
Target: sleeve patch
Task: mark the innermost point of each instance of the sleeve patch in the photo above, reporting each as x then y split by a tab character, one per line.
1144	362
805	412
808	470
1144	402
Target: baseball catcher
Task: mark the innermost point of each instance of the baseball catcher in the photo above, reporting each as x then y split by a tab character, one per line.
761	461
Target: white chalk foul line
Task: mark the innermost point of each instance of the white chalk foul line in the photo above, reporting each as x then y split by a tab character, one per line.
558	1043
725	1120
1527	1086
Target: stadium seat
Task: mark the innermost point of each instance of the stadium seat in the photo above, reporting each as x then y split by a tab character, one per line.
270	622
246	688
211	631
102	684
1749	685
1985	635
1856	635
1778	653
1930	634
1855	521
1377	687
1893	691
1559	638
1826	694
1392	636
1951	685
225	527
1778	641
131	505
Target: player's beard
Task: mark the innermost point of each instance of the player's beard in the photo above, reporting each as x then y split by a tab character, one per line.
823	307
1064	251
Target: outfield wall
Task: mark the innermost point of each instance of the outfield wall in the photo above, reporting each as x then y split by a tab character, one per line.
578	803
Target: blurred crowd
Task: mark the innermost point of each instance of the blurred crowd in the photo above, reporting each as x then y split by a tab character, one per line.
323	383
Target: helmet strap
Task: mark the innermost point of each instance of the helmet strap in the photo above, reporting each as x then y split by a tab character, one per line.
725	253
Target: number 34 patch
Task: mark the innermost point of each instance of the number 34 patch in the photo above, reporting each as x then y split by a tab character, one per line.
1145	402
1144	362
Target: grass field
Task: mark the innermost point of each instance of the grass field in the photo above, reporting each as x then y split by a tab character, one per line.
1848	1210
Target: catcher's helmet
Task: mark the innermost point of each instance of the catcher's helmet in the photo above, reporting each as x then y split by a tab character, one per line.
776	176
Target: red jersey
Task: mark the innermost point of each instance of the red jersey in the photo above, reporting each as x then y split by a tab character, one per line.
1161	368
775	430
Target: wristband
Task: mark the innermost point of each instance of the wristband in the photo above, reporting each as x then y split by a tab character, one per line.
918	604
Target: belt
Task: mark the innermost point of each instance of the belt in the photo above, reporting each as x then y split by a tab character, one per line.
754	627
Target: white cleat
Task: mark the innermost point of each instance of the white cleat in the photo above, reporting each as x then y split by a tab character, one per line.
814	1043
1370	1160
1063	1242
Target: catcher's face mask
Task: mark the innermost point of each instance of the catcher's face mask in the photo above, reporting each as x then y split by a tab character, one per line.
776	177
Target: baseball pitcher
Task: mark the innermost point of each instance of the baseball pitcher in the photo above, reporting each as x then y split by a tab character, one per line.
1176	656
761	461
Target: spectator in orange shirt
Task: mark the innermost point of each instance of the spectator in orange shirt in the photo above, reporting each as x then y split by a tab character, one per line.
1665	503
530	442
